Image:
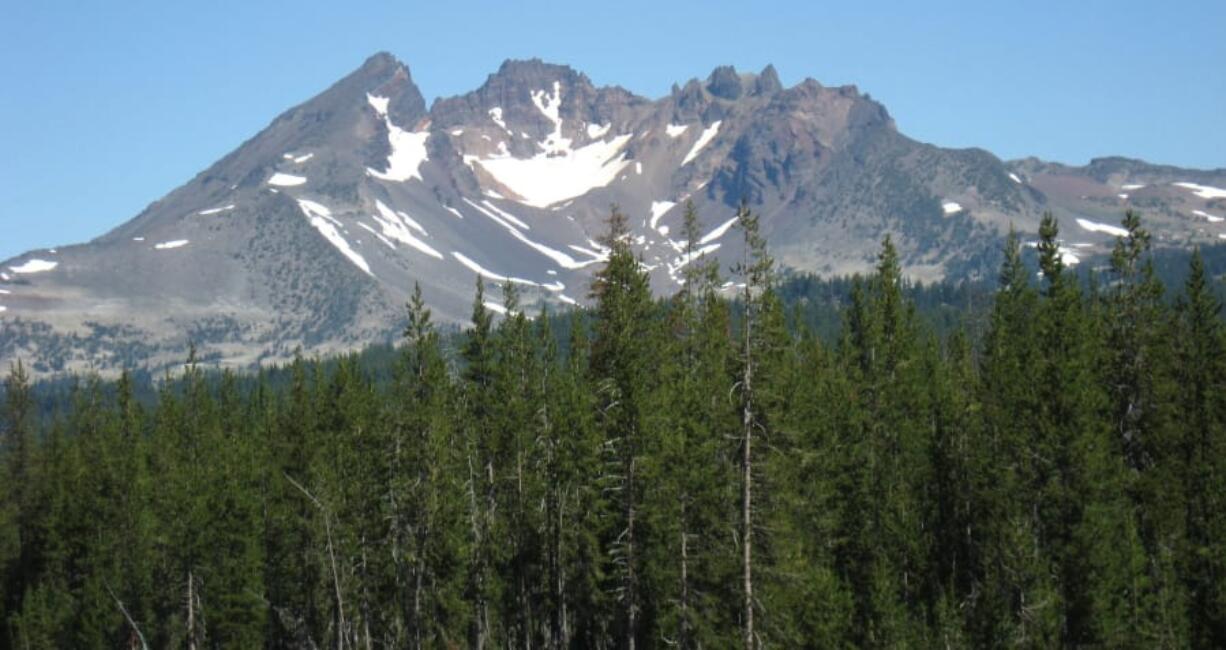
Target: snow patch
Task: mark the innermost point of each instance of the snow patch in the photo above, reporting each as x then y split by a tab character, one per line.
559	171
408	148
1204	191
34	266
487	274
1015	178
1208	217
321	219
453	211
595	131
718	232
496	115
676	130
167	245
286	180
703	140
567	299
378	103
1132	187
495	307
506	215
1091	226
951	207
396	225
658	209
683	260
223	208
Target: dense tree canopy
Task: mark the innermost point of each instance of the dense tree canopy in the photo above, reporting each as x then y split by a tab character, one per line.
723	468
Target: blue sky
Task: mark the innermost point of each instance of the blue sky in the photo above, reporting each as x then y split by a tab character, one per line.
107	106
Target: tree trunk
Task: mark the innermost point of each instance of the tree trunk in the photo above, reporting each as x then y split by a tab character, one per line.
683	634
747	471
631	578
191	613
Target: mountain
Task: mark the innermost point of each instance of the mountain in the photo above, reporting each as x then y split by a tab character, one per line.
310	235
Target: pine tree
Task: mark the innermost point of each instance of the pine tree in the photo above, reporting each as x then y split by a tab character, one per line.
1019	604
1200	349
479	404
621	368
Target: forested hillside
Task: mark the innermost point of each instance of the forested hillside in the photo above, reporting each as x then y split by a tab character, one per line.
698	472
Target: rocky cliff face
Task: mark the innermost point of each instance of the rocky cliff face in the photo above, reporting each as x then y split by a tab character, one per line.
310	235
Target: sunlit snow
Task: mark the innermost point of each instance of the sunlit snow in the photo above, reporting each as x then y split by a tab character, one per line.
658	208
408	148
1131	187
1092	226
1205	215
1015	178
166	245
595	131
496	115
559	171
286	180
495	307
321	218
685	259
378	103
703	140
396	225
1204	191
718	232
34	266
675	130
951	207
487	274
506	220
216	210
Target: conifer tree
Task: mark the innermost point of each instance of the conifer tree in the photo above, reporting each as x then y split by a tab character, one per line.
1200	351
479	403
621	369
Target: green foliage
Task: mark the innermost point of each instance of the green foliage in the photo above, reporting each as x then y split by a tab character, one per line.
853	463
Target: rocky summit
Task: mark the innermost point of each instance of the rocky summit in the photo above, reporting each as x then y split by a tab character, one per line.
311	235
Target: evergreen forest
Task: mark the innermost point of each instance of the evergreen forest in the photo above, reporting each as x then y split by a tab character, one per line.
715	469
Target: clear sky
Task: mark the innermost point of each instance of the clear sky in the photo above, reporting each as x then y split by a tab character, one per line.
107	106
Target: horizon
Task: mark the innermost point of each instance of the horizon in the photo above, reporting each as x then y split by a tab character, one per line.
125	104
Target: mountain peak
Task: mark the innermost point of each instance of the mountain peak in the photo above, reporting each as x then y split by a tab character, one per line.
535	72
384	75
725	83
380	61
768	82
